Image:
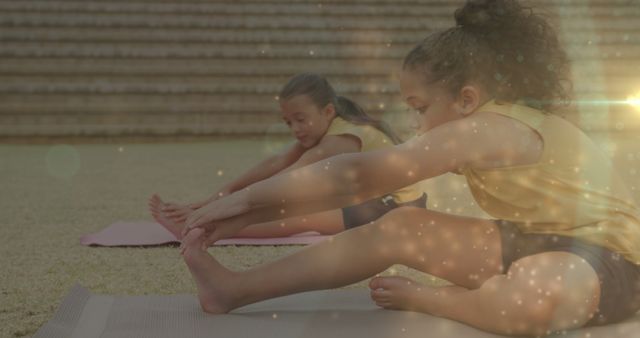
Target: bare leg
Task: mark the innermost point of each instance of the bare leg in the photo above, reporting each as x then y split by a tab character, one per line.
463	250
212	279
541	293
326	223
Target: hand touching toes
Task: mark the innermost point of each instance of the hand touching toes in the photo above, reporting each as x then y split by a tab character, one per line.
192	241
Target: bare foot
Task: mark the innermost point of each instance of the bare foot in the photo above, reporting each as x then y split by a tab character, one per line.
214	282
400	293
155	207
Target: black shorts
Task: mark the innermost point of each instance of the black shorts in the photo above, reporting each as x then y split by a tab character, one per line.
619	278
371	210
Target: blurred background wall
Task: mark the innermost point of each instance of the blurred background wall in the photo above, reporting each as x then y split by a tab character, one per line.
207	67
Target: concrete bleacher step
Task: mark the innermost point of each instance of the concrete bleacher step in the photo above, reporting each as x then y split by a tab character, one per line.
227	8
362	7
206	66
251	51
259	67
257	21
204	35
230	85
58	105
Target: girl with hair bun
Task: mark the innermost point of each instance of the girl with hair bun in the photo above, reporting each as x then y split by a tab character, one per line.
324	125
562	247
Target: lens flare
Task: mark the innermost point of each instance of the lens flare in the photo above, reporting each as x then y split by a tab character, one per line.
634	101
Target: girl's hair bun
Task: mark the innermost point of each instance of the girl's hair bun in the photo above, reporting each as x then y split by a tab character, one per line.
509	49
487	15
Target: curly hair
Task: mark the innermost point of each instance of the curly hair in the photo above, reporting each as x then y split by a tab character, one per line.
508	49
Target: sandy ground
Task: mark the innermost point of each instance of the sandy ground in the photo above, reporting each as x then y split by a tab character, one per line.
53	194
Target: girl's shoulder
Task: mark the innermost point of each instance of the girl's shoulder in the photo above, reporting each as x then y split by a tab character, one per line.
519	111
365	133
495	139
338	125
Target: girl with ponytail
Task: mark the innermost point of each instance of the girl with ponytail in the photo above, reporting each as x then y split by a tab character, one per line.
324	125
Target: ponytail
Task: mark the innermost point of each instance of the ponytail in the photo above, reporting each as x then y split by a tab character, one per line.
353	113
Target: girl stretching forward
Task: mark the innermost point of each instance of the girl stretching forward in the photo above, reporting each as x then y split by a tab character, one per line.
324	124
563	248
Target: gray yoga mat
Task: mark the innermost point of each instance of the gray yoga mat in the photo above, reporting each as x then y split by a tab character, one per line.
333	313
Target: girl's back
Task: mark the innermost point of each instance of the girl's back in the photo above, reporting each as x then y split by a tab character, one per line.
571	190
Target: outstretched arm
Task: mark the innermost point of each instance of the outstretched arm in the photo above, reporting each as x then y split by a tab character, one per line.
295	157
350	178
262	170
267	168
292	158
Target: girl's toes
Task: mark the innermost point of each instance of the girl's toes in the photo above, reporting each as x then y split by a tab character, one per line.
379	299
389	282
377	283
380	294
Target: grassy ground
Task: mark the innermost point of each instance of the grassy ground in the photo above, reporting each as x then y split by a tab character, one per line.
53	194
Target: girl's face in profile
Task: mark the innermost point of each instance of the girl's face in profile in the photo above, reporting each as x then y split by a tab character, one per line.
431	103
308	122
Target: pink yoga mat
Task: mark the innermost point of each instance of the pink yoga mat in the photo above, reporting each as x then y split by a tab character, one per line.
151	233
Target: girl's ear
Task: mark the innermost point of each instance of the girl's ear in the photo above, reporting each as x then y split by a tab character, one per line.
329	111
468	101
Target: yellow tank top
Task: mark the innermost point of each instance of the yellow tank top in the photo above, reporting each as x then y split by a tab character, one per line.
372	139
572	191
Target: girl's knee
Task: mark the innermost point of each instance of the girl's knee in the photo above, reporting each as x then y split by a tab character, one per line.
563	288
522	310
